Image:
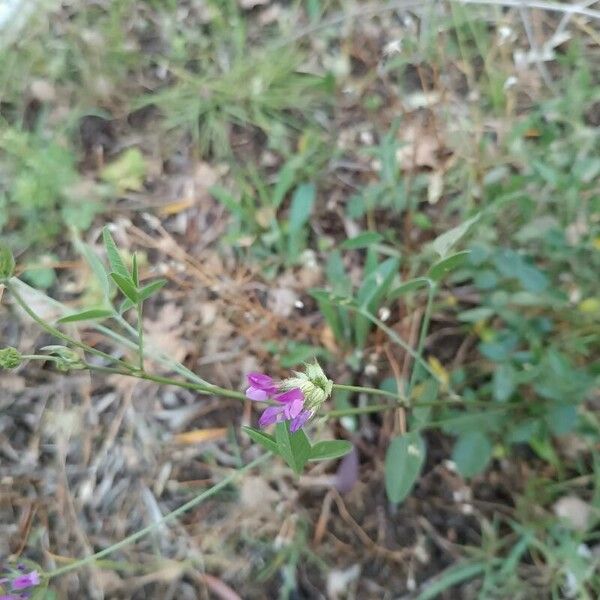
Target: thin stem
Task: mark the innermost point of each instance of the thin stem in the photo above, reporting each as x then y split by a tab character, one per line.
422	335
166	519
140	333
396	338
434	403
366	390
56	332
188	385
360	410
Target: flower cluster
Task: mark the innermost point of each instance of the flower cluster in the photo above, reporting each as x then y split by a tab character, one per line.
19	582
297	398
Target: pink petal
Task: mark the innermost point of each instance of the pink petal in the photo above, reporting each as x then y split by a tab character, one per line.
294	408
270	415
290	396
257	394
300	420
25	581
260	380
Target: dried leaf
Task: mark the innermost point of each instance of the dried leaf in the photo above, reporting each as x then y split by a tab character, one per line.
197	436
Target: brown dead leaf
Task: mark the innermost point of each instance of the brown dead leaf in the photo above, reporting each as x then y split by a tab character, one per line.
420	149
165	333
197	436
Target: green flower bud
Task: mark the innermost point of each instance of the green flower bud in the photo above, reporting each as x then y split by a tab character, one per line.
314	385
7	263
66	359
10	358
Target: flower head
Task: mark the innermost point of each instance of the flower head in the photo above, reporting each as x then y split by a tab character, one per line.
297	398
314	384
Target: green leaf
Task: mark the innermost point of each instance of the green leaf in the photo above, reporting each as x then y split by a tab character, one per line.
114	258
285	180
7	262
451	577
125	305
561	418
370	295
472	453
330	449
231	203
294	448
329	312
445	242
300	211
406	287
503	383
444	266
301	206
362	240
126	286
264	439
87	315
403	463
135	275
96	265
150	289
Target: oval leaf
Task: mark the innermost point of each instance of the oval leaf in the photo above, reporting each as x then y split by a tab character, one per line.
330	449
294	448
403	463
472	453
87	315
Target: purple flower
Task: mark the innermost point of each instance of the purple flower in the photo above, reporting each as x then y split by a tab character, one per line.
24	581
290	405
261	387
10	597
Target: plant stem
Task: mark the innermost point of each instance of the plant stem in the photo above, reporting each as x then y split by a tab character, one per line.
360	410
140	333
188	385
422	335
56	332
166	519
366	390
343	412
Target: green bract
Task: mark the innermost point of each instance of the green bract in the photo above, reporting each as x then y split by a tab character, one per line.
314	384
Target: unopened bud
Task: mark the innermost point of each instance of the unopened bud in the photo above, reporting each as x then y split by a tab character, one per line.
10	358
